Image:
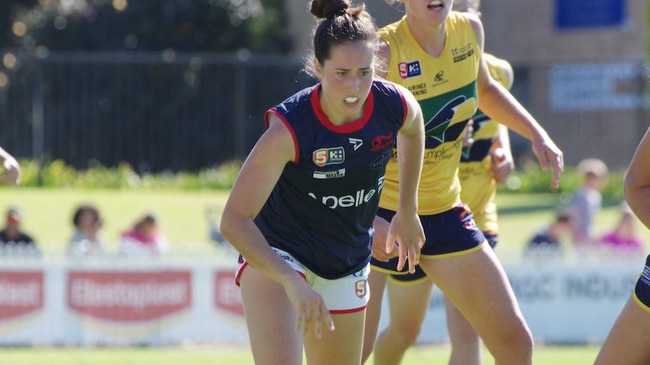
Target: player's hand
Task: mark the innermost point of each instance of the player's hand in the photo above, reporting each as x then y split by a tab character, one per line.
379	251
407	232
468	139
549	156
312	314
11	171
502	165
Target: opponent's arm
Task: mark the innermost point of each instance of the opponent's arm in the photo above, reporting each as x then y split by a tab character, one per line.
637	181
11	169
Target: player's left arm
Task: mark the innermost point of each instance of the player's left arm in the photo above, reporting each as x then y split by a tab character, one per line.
498	104
405	228
503	164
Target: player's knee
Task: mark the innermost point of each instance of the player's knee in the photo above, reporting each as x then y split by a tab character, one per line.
517	345
407	335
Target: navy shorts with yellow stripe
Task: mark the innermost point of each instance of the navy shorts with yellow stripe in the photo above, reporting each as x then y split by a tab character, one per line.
642	289
447	234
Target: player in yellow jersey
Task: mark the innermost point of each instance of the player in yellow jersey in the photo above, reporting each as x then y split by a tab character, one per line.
627	340
486	161
438	55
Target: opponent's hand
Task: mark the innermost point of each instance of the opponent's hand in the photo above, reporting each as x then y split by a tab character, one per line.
502	165
11	171
468	139
549	155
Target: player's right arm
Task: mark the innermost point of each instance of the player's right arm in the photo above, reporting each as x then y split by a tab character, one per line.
256	180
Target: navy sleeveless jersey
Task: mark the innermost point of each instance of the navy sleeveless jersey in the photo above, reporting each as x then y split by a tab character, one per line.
322	208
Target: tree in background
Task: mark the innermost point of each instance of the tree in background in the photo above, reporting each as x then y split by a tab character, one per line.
144	25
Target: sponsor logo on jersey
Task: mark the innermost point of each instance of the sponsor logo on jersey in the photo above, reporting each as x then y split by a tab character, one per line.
381	142
356	199
463	53
328	156
409	69
329	174
361	288
356	143
382	160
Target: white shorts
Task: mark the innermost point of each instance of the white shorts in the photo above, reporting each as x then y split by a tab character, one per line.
345	295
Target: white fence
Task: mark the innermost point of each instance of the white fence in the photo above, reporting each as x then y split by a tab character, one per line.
194	300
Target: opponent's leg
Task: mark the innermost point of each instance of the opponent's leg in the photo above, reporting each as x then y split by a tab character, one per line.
477	285
408	305
465	343
627	341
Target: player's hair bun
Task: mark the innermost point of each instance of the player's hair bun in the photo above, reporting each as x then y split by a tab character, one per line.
329	8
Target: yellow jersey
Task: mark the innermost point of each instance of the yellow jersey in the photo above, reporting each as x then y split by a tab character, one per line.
445	87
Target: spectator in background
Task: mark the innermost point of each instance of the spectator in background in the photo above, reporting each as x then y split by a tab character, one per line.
587	199
10	168
547	242
13	239
86	239
143	239
623	239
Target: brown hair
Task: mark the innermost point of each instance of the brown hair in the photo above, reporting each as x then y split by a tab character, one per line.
81	210
341	22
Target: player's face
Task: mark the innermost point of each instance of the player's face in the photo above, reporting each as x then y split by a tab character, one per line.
346	78
428	11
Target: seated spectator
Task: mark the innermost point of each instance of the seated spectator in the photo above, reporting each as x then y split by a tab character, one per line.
623	238
13	239
143	239
86	239
548	240
586	201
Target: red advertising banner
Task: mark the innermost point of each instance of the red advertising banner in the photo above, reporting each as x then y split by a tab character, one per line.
129	296
227	296
21	292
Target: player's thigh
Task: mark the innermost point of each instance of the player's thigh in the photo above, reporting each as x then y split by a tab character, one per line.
270	319
627	341
408	303
341	346
477	285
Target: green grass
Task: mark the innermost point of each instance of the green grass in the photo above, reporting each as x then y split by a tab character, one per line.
47	213
438	354
182	214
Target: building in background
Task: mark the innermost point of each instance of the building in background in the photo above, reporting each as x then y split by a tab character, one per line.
580	67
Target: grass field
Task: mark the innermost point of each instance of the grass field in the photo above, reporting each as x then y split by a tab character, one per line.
419	355
182	214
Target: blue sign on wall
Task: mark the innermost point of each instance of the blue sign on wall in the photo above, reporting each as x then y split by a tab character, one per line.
570	14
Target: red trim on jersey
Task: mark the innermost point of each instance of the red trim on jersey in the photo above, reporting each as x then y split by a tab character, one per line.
347	127
296	152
